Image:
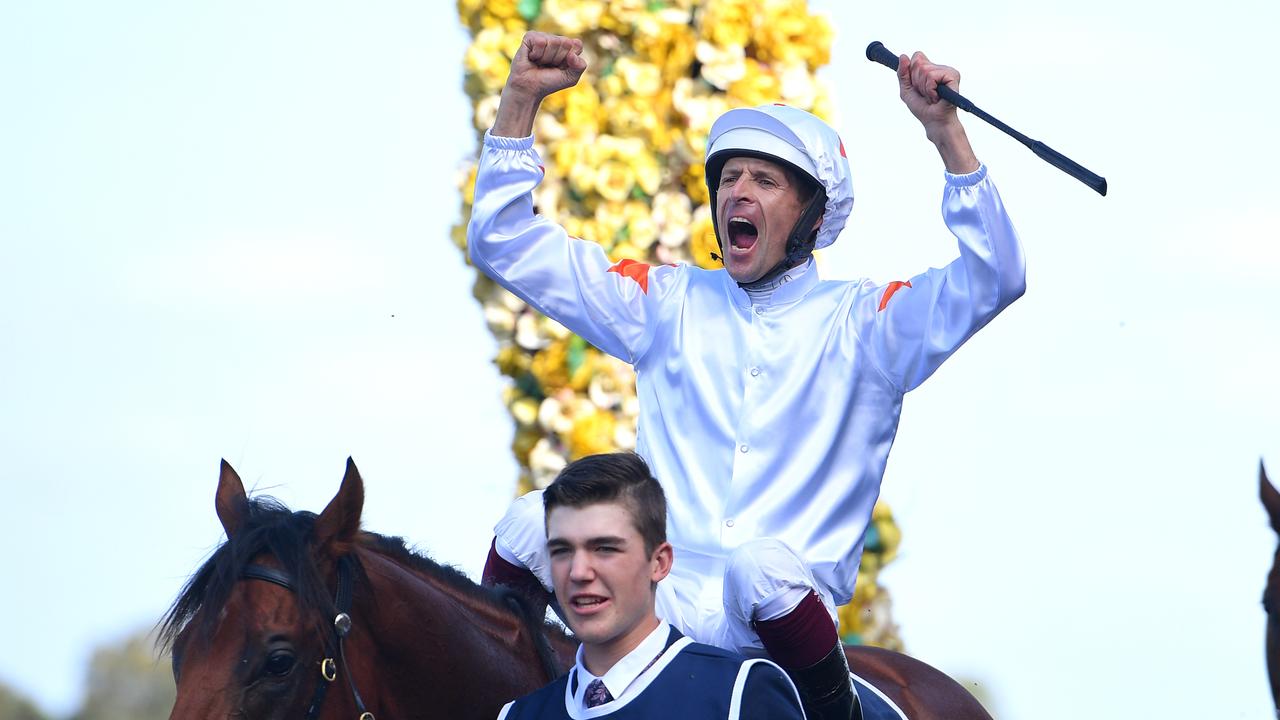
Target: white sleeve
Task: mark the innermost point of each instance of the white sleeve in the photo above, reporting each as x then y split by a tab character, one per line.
912	327
614	306
520	537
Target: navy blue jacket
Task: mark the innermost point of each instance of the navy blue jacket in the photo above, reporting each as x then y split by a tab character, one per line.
691	681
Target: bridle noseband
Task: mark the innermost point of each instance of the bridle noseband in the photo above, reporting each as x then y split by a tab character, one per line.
341	627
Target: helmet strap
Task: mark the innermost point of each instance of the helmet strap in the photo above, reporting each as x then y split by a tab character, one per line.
801	241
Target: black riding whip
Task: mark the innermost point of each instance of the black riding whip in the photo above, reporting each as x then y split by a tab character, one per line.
877	52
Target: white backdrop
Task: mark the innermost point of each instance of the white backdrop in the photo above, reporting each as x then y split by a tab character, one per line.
225	234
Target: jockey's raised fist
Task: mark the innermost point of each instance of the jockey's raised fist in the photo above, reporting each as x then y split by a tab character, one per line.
545	64
918	81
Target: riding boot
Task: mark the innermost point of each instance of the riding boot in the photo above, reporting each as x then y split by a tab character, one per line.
520	581
826	689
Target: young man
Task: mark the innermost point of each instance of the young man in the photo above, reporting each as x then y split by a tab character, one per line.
769	398
606	536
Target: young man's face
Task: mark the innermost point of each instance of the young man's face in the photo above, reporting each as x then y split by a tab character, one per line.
603	577
757	205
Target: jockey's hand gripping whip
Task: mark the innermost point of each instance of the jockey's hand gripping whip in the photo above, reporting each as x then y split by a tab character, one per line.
877	52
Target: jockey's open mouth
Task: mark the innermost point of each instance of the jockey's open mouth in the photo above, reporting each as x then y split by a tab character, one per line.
742	233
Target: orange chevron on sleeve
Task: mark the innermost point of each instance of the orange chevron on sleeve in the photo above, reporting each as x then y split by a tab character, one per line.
893	287
637	271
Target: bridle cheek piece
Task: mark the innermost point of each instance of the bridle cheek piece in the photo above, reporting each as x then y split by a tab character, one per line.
341	628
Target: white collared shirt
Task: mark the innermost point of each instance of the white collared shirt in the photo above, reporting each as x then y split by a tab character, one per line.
620	680
771	420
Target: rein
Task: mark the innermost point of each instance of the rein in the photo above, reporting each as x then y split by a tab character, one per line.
341	627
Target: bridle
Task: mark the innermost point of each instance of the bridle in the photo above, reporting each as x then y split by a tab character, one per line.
341	627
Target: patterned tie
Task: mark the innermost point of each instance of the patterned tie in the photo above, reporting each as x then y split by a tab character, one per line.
597	693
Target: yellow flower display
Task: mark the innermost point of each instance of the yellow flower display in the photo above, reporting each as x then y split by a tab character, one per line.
592	434
623	151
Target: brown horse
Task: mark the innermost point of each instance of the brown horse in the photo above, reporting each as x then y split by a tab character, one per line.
298	613
1271	595
253	633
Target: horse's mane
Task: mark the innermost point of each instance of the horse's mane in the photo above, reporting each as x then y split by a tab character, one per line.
397	549
270	527
499	597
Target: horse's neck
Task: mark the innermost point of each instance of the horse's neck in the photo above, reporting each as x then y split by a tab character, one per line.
426	644
416	609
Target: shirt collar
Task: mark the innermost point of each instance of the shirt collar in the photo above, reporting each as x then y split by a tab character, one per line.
625	671
794	285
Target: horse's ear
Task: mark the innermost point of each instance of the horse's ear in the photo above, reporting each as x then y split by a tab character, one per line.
1270	497
337	526
230	502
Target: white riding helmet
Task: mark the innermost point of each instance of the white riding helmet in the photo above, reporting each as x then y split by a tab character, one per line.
796	139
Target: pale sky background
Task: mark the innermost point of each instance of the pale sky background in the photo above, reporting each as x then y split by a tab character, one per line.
224	233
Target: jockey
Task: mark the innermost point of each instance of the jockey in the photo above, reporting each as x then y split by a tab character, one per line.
769	398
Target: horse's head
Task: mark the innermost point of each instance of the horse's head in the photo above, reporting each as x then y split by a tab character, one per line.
1271	595
252	629
1271	501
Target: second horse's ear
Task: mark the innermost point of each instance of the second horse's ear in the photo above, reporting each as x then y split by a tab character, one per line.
230	502
337	526
1270	497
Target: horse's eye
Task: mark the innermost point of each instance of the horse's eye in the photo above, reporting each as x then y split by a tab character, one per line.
279	664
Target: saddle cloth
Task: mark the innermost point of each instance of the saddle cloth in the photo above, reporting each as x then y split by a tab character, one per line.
875	705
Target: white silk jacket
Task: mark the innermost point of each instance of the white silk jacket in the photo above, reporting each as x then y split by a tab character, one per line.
767	421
